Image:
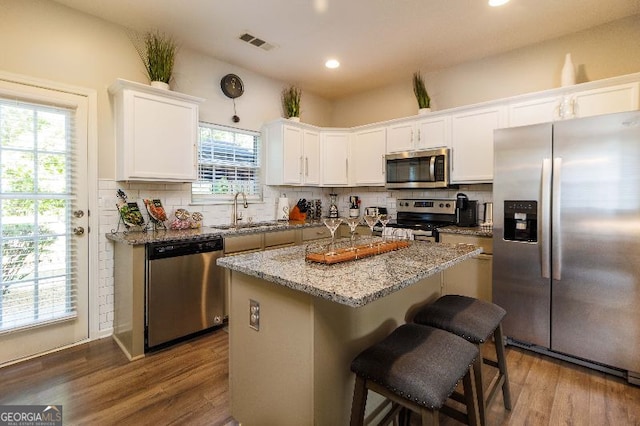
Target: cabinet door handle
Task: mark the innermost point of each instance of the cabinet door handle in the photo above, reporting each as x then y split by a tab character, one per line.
301	169
383	165
306	166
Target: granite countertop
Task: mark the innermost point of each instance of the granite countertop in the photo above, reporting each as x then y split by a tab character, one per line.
475	231
151	236
353	283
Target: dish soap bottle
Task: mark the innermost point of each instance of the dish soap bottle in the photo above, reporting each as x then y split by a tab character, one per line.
282	211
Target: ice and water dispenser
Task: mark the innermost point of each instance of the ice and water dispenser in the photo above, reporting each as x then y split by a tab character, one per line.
521	220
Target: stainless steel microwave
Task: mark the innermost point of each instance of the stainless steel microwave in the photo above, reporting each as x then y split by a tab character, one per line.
418	169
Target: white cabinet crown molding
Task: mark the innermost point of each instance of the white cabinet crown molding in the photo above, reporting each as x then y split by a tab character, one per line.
122	84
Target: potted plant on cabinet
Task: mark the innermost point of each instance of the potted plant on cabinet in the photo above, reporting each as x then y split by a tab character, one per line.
291	103
157	52
420	91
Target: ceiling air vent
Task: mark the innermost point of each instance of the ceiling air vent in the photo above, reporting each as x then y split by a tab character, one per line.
257	42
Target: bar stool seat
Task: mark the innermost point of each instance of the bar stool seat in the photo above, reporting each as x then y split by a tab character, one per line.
417	367
476	321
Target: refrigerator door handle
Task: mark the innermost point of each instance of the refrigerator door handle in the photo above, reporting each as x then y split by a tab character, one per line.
545	229
556	266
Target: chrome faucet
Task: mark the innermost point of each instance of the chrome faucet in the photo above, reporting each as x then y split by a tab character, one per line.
235	207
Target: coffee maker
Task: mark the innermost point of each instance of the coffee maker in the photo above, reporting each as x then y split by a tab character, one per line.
466	211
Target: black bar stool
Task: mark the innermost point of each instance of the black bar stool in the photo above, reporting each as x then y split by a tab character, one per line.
476	321
417	367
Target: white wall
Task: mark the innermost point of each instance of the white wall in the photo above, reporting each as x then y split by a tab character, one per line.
601	52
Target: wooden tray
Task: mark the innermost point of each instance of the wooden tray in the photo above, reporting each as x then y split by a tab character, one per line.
357	252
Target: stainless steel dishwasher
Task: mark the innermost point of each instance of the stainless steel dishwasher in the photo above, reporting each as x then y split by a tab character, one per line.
185	290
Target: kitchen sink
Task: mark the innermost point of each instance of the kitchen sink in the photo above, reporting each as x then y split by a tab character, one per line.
251	225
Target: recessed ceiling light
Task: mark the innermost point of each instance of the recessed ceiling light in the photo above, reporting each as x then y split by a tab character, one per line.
332	63
495	3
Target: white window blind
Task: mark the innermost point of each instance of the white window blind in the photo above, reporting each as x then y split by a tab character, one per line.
228	162
39	282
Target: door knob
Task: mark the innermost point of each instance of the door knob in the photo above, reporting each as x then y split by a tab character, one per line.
79	230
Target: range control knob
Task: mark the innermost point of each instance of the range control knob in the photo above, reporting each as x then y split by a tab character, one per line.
448	205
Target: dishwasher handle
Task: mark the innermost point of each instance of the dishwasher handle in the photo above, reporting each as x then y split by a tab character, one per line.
165	250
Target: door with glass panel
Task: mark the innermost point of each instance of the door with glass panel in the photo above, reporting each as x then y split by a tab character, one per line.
44	220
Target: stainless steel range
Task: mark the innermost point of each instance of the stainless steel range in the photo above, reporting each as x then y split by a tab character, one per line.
422	217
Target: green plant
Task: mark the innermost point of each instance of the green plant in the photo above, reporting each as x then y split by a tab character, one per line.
420	91
157	52
291	101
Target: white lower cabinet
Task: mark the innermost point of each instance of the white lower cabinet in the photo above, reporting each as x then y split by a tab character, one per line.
368	149
473	277
472	143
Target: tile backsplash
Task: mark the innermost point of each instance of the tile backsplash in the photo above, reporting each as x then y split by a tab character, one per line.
175	196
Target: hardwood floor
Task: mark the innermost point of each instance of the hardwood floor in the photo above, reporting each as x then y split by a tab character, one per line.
97	385
188	384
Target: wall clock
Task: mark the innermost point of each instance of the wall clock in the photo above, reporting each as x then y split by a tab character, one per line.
232	86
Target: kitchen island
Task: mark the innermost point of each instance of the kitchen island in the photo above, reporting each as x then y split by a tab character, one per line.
295	325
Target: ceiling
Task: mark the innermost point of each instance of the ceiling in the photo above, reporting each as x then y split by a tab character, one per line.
376	41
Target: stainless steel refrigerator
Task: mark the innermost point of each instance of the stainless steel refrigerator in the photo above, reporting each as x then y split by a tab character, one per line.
566	239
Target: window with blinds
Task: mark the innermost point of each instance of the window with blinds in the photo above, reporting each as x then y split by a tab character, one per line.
38	282
228	162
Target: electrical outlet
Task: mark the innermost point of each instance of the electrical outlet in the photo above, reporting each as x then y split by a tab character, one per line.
254	315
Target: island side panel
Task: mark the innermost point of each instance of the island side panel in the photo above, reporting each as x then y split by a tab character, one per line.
270	370
129	283
342	332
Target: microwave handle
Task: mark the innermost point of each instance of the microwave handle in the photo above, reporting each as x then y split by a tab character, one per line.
432	168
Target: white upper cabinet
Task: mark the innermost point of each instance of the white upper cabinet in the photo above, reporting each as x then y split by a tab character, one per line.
472	143
311	151
533	111
434	132
292	154
334	162
368	148
420	133
300	154
401	137
575	103
606	100
156	133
